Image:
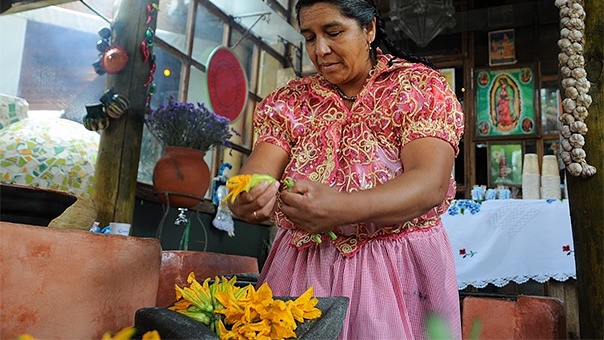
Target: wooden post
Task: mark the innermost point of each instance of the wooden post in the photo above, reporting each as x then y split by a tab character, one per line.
120	145
587	194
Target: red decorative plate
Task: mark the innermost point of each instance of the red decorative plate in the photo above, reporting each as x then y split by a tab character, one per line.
227	84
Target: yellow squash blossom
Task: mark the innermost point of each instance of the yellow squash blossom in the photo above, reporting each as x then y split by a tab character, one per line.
244	182
304	306
244	312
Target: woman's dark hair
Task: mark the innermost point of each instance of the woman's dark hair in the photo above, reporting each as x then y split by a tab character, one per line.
363	11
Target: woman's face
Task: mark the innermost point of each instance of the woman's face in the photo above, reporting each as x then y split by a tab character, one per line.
337	45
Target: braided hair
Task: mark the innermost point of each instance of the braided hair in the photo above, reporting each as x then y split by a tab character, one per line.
363	11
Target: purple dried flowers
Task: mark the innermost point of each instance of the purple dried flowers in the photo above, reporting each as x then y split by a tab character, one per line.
187	125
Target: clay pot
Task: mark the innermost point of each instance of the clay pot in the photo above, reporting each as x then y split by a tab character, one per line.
181	177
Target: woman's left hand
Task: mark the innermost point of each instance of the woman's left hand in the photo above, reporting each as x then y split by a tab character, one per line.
312	206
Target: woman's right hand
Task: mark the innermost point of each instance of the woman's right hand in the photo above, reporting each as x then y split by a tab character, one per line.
267	159
258	204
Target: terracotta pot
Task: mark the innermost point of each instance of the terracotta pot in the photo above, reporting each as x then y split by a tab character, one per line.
181	177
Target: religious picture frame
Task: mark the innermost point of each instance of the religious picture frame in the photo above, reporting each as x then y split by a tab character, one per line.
505	103
505	164
502	49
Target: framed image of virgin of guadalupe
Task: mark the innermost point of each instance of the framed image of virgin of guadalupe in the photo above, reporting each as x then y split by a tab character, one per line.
505	103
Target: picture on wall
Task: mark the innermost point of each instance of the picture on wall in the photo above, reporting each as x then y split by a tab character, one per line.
505	103
502	50
505	164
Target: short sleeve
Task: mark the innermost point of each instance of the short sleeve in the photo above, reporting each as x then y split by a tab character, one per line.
270	119
437	112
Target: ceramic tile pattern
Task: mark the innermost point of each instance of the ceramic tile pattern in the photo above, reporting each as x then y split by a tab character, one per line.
53	153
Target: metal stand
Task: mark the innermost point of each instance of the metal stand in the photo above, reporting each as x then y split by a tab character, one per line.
166	208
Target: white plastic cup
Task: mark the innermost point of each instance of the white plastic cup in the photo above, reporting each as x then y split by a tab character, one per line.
118	228
530	164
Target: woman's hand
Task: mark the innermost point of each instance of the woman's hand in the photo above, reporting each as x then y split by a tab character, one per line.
258	204
312	206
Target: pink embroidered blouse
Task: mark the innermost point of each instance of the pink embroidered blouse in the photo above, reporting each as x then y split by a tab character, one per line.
359	148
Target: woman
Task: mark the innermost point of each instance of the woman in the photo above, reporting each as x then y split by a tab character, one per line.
370	142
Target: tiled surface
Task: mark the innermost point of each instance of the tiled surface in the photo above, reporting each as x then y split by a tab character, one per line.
53	153
12	110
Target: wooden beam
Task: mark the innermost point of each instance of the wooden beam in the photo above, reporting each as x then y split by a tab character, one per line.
119	150
587	194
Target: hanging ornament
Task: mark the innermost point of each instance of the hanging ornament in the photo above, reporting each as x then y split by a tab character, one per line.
95	118
114	60
102	46
146	47
105	33
115	103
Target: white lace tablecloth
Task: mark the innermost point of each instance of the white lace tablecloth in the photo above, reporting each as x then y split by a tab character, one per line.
500	241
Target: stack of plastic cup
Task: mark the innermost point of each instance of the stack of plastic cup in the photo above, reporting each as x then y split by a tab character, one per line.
531	179
550	178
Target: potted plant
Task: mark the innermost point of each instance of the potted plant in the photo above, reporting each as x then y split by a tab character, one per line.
187	131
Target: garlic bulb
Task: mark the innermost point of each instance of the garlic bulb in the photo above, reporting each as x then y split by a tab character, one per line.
562	58
578	127
575	36
575	23
564	42
565	144
588	170
566	82
576	140
569	105
580	113
578	73
571	92
576	88
584	100
566	71
565	131
577	47
575	61
577	154
566	157
574	169
567	118
582	85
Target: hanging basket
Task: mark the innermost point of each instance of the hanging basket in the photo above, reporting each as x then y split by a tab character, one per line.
181	177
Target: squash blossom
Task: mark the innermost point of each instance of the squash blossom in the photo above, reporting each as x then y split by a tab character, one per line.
244	312
245	182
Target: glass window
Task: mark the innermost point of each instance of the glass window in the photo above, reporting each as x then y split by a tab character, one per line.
166	76
209	34
198	89
550	109
267	74
56	71
172	23
245	53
